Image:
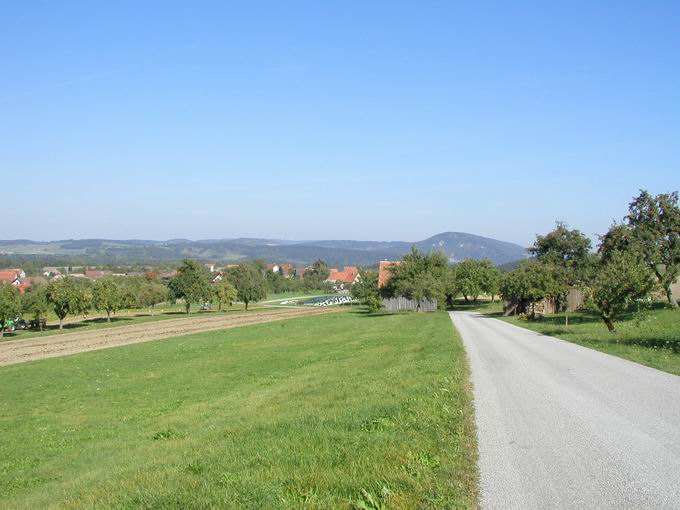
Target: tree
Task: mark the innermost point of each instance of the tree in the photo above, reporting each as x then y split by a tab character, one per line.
366	291
622	280
655	226
419	277
152	293
10	305
34	302
108	295
65	297
530	283
316	274
225	293
474	277
249	283
192	284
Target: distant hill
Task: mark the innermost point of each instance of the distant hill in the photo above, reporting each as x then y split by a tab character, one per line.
456	245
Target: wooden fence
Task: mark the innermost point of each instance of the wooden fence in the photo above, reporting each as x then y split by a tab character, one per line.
401	303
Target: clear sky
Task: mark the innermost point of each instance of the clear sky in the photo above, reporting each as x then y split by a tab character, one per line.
357	120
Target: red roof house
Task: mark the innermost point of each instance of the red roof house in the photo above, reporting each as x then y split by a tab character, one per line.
384	273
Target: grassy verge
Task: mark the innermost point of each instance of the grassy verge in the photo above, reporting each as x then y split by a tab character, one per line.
655	341
332	411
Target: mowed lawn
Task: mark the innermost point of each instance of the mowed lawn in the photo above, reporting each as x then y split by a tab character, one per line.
653	341
345	410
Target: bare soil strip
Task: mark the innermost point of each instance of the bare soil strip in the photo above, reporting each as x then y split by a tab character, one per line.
51	346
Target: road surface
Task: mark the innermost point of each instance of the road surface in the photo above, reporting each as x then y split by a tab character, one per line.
563	426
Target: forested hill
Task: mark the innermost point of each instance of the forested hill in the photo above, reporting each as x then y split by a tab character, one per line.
456	245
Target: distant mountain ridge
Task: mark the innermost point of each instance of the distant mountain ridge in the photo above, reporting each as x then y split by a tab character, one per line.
456	245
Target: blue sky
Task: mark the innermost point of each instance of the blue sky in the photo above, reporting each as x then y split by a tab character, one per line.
309	120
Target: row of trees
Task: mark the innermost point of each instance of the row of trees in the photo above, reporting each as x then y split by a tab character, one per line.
193	284
429	276
634	258
71	296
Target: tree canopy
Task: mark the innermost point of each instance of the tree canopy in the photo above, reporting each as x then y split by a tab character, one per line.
192	284
419	277
249	282
10	304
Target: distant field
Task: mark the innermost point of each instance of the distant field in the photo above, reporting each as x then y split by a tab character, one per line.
97	320
333	411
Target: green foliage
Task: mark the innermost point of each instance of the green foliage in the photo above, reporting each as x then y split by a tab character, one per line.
471	278
35	303
151	293
67	297
10	304
192	284
316	274
225	293
419	277
530	283
249	282
366	290
622	281
108	295
654	222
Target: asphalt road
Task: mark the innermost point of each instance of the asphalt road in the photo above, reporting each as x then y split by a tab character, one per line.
563	426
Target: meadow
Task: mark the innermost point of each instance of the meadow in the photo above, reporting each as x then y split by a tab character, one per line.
345	410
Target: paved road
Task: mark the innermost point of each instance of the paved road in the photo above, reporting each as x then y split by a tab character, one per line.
563	426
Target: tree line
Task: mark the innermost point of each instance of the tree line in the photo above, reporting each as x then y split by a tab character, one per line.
634	259
68	296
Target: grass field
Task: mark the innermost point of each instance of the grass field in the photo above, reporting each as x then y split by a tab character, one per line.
334	411
163	311
654	342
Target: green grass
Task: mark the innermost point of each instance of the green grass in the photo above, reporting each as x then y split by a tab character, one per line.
654	342
317	412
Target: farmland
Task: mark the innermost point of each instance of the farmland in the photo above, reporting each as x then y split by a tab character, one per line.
330	411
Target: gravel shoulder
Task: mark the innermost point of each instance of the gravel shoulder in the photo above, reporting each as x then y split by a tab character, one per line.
564	426
50	346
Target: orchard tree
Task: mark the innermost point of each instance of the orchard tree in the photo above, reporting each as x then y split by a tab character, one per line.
65	297
152	293
10	305
530	283
192	284
366	291
654	222
108	296
474	277
249	283
419	277
568	251
225	293
623	280
34	303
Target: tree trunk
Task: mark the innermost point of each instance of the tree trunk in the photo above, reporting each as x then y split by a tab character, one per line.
246	304
466	298
220	307
61	323
108	315
671	298
609	323
40	324
2	331
188	305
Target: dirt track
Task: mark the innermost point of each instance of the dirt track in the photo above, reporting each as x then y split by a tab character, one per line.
19	351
